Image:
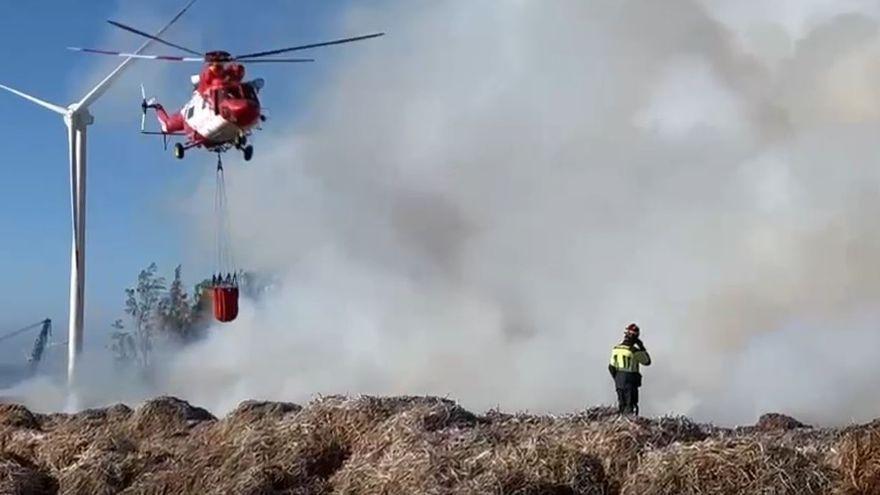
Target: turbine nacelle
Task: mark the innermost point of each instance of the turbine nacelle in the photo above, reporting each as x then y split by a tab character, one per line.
78	115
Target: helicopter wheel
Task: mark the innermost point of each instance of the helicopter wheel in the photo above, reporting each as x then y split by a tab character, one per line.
178	151
248	152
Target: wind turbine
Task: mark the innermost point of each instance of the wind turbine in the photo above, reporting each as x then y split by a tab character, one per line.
77	119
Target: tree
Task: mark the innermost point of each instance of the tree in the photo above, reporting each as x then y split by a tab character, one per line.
157	312
123	344
175	312
142	304
202	306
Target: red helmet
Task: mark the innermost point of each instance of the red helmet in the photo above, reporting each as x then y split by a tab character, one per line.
632	330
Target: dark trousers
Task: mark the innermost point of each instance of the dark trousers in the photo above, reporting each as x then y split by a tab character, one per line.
628	400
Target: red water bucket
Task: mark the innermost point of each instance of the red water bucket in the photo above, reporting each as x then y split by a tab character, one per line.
225	303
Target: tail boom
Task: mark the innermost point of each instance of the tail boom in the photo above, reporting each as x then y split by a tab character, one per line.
170	123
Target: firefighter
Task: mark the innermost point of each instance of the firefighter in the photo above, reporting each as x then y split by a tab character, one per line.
624	368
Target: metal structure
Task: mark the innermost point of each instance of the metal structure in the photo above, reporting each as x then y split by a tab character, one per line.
77	119
40	344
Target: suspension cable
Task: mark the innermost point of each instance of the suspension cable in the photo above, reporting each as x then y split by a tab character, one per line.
224	260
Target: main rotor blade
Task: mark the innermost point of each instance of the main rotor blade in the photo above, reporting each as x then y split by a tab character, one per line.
102	86
176	58
305	47
270	60
154	38
173	58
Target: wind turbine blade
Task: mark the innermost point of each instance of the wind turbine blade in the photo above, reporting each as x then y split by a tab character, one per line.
102	86
45	104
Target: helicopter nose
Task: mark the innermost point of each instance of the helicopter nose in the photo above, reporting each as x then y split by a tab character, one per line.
241	112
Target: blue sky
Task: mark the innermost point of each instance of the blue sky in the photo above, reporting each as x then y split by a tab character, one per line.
132	182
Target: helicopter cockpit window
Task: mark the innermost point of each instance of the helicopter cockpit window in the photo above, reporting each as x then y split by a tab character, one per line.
189	112
249	92
233	93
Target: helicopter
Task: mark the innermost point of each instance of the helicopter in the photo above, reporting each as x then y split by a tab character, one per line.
224	108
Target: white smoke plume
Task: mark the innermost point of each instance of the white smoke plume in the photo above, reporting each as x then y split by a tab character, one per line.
478	203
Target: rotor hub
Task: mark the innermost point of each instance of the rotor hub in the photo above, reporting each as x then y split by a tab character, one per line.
218	57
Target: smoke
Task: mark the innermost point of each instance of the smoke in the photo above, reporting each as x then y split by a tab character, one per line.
478	203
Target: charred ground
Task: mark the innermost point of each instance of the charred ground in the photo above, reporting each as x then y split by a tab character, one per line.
409	445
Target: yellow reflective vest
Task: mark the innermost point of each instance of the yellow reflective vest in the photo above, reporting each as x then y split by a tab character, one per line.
625	358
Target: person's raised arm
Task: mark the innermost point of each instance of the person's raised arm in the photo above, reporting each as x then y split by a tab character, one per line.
641	354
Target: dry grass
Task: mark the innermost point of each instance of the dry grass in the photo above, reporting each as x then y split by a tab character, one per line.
730	466
424	445
18	476
857	459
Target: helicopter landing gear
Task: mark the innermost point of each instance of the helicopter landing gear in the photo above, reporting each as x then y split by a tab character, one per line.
248	152
240	141
178	151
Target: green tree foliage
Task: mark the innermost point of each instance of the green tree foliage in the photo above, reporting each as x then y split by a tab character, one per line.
122	344
159	312
202	305
175	312
142	305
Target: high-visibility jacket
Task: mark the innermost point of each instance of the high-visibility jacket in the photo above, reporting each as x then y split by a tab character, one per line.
624	365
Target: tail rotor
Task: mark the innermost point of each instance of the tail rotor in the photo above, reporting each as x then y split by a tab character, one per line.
144	107
146	103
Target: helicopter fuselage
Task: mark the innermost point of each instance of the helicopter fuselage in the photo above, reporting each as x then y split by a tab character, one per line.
221	113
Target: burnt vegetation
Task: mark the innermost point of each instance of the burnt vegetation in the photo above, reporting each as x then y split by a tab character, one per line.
407	445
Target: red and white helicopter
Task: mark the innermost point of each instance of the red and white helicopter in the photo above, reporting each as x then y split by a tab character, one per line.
224	108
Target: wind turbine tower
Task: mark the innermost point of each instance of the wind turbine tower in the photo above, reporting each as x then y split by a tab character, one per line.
77	119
